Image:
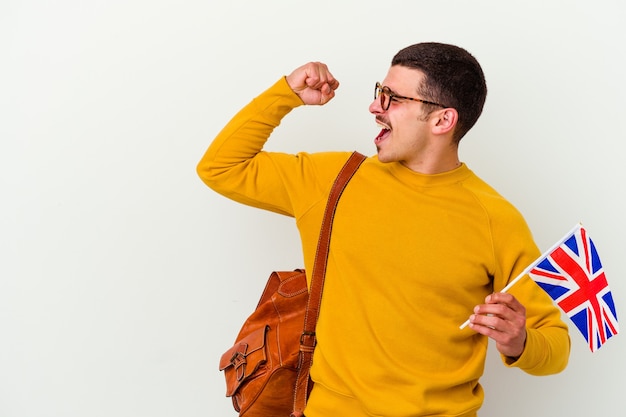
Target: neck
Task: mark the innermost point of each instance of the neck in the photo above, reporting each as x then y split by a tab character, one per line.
434	162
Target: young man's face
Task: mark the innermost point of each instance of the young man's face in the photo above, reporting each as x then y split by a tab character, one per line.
405	130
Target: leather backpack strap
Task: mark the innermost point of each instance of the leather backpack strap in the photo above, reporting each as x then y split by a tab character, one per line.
308	339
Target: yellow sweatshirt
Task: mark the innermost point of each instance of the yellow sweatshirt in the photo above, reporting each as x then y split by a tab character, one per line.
410	257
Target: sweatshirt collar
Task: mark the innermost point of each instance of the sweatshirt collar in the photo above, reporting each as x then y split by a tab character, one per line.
417	179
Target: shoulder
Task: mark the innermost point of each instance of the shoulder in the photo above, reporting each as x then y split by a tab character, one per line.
487	195
505	218
324	166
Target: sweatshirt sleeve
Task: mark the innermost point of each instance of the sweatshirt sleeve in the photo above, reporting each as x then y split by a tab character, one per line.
547	346
235	164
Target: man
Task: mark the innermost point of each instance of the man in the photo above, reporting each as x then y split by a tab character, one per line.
418	241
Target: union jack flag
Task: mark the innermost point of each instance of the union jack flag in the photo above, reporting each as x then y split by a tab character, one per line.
573	276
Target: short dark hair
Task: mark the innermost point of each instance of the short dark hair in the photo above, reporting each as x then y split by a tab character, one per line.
453	77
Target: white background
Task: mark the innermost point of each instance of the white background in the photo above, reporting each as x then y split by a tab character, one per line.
123	278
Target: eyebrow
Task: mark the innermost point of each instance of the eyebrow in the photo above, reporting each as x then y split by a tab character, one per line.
396	93
383	86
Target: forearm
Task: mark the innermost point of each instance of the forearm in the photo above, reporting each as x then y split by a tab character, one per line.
243	138
547	351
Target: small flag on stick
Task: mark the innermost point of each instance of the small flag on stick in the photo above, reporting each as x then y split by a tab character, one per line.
572	275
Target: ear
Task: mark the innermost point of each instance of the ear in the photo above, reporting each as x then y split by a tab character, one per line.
445	121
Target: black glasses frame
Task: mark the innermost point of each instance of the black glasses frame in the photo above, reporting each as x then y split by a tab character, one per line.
384	91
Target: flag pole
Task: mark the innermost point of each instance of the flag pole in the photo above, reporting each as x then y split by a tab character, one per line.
533	264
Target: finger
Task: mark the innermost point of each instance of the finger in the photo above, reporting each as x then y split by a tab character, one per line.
509	341
314	75
494	326
505	299
318	76
326	95
488	323
498	316
492	309
333	83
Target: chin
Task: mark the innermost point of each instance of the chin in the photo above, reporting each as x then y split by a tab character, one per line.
383	157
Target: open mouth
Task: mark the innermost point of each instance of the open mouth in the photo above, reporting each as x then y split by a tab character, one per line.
384	133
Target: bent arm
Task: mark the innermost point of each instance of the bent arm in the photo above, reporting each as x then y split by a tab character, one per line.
547	346
235	166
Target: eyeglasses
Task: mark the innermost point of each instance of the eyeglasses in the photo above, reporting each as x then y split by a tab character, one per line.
387	96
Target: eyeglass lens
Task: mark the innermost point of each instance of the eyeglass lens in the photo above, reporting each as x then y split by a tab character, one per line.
385	99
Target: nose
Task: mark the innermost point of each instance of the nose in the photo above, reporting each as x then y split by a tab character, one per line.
375	107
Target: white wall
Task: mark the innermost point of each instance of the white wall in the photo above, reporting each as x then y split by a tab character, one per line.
123	278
